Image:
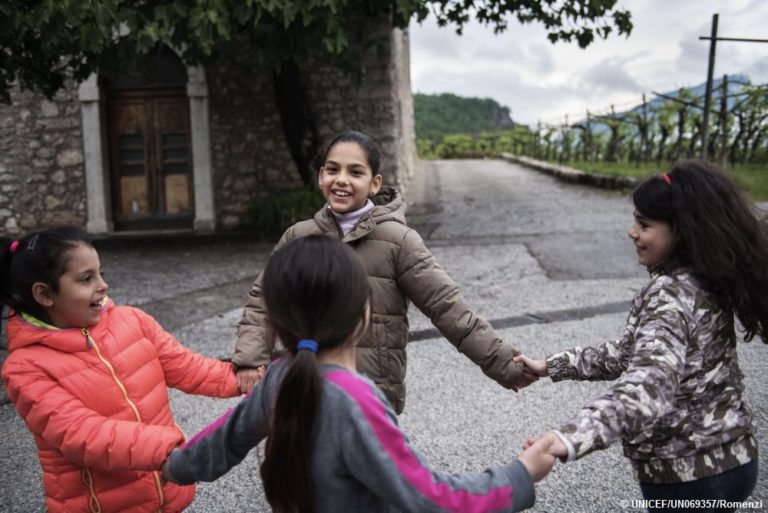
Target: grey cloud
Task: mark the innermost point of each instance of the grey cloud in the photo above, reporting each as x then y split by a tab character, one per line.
487	46
609	75
432	42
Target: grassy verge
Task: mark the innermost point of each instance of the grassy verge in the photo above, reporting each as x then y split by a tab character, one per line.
753	178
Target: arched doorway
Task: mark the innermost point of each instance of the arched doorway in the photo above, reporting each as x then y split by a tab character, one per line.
149	145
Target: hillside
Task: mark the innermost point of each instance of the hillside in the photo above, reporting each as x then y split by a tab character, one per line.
439	114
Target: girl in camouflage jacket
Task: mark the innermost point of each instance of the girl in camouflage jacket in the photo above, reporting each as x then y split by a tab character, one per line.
677	401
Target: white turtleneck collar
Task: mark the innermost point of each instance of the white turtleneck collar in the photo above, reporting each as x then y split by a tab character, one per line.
348	220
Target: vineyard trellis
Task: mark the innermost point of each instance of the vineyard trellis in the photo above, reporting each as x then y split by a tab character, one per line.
666	129
713	39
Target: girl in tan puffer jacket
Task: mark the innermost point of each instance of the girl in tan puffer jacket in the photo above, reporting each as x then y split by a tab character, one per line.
371	219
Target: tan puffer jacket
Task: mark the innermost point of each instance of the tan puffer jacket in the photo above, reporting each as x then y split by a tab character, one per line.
400	268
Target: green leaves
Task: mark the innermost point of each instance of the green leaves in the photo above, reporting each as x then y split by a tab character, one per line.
565	20
42	43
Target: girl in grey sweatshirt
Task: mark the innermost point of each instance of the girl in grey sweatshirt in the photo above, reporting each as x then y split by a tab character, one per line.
333	442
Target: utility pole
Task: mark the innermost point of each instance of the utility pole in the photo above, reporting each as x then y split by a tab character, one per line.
708	94
713	39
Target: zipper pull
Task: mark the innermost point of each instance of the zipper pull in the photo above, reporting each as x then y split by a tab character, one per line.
87	338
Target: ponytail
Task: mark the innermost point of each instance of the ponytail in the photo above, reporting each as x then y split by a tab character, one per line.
287	475
312	287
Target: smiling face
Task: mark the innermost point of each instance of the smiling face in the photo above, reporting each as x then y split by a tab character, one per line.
654	239
346	178
82	291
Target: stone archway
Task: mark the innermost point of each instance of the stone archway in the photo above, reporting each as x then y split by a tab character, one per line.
96	151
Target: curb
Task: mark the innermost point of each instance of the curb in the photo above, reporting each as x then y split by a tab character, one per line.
569	174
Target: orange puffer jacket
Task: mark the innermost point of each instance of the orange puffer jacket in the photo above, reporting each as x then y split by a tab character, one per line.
96	401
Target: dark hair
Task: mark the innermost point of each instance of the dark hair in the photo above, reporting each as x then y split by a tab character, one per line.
719	234
371	149
313	288
39	257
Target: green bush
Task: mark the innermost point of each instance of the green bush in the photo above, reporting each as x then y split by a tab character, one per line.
473	146
426	149
458	146
282	208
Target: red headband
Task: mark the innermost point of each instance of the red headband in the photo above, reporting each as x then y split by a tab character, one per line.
666	178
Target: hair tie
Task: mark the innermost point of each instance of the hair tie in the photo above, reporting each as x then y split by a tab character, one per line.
307	343
14	245
666	178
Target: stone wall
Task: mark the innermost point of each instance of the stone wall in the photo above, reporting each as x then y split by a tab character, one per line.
42	179
379	105
42	176
250	156
248	152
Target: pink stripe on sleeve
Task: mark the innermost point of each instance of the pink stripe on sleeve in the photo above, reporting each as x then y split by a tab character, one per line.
210	428
394	443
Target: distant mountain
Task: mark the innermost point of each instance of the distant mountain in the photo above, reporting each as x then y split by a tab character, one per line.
439	114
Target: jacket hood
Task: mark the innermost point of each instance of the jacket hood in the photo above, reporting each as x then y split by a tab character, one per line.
25	330
389	206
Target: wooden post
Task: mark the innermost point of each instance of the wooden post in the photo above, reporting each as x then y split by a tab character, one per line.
708	94
644	132
588	140
724	121
566	143
537	153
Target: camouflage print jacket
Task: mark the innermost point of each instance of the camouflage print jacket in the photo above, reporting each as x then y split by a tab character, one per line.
677	400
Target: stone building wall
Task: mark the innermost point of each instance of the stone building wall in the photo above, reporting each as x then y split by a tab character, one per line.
250	156
379	105
42	174
42	180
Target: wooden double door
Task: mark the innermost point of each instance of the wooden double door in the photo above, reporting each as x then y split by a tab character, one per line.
150	159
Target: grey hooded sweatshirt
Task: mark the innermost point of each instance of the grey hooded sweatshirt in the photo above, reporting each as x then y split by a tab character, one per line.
361	461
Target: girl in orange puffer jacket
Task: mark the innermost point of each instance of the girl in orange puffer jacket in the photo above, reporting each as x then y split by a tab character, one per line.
90	379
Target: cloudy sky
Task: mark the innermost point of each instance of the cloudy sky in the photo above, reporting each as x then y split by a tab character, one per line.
538	80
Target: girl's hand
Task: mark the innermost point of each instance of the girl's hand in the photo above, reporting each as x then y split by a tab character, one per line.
166	473
552	441
535	367
537	458
248	378
526	378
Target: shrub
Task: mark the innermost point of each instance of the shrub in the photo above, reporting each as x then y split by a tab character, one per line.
282	208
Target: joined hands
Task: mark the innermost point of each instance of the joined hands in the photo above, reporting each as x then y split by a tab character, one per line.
532	371
247	378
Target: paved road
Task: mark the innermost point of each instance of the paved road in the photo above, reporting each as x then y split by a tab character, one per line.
549	263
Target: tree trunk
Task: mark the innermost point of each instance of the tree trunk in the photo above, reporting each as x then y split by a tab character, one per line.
662	144
736	144
297	118
698	125
680	133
